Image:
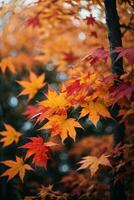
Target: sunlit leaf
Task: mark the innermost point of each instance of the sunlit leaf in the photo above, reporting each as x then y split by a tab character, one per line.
32	86
9	136
63	126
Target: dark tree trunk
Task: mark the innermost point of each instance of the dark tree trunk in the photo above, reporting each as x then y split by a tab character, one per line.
114	36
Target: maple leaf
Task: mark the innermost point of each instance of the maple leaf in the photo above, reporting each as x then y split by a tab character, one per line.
39	149
16	167
124	90
54	101
7	63
75	87
126	112
70	57
10	135
130	111
77	91
38	112
60	125
32	86
94	34
95	110
128	53
90	20
99	54
44	191
33	111
33	21
93	163
109	79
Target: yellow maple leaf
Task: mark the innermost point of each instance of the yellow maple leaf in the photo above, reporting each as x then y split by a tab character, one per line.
10	135
94	111
93	163
32	86
16	167
54	100
62	126
7	63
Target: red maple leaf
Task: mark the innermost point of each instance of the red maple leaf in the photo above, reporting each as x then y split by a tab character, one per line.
90	20
32	111
33	21
39	149
128	53
109	79
70	57
38	112
78	91
99	54
75	85
94	34
124	90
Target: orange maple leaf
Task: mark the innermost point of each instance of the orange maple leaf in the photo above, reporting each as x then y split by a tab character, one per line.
32	86
7	63
93	163
60	125
57	102
95	110
10	135
16	167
